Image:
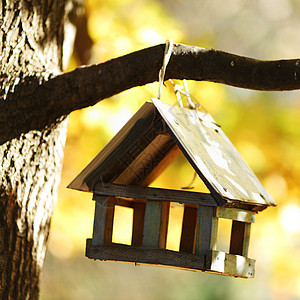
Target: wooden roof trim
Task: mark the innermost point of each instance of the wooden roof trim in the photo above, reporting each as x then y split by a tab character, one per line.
80	182
151	162
158	194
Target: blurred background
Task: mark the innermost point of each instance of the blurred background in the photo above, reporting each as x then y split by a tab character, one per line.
264	127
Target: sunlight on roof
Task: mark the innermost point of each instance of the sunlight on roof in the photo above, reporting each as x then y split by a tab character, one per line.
290	218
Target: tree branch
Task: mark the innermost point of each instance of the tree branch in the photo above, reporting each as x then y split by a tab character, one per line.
45	104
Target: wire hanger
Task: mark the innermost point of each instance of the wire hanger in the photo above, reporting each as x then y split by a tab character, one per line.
162	71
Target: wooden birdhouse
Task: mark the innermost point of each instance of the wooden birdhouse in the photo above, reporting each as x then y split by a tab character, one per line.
121	173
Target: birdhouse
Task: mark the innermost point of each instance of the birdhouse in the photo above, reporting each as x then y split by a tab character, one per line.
121	173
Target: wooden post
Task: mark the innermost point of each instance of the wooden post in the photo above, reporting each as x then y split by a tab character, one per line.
99	220
138	224
156	224
103	220
187	240
109	221
164	224
207	229
240	236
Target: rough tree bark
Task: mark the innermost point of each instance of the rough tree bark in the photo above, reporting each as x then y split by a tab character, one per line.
35	99
31	39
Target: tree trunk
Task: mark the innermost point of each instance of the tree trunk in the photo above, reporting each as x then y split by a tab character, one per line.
31	40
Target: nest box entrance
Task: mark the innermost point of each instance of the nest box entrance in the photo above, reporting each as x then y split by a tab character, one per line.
120	174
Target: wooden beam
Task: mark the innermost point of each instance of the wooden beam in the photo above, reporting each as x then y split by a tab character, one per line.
240	236
165	213
156	224
156	156
152	224
99	222
109	220
145	256
230	264
207	228
161	166
154	194
122	201
215	262
236	214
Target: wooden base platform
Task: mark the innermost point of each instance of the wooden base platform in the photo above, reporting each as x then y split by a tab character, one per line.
215	262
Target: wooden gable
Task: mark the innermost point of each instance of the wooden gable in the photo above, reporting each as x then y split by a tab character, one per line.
136	155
